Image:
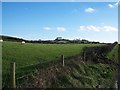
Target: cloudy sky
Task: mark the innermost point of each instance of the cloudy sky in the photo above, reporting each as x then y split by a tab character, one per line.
95	21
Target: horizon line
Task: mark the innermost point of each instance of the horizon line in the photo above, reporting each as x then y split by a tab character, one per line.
58	36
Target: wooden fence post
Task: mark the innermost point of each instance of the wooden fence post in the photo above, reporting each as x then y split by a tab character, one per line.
84	56
12	75
63	62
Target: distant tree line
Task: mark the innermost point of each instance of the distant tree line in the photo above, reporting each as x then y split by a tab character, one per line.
58	40
8	38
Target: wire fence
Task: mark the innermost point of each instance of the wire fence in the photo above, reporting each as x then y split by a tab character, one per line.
26	71
20	73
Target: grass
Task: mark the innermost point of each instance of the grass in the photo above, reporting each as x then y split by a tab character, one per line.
88	76
28	53
85	75
113	55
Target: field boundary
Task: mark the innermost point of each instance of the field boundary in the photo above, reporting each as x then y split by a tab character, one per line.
84	56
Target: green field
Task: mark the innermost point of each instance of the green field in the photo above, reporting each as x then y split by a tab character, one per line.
113	55
28	53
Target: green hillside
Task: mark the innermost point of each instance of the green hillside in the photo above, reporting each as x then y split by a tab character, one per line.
28	53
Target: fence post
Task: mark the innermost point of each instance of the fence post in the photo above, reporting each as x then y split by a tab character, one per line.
12	75
63	62
84	56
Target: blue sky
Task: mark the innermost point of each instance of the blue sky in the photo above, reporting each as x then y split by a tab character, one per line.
96	21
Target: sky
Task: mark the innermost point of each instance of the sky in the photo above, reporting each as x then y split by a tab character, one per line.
94	21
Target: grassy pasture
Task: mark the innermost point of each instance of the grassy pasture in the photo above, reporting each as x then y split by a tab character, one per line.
28	53
113	55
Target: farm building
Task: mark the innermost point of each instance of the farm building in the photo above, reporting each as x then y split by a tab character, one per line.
58	38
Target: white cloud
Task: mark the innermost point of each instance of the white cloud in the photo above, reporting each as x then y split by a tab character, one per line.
109	29
98	29
47	28
113	5
56	28
89	10
60	29
116	3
